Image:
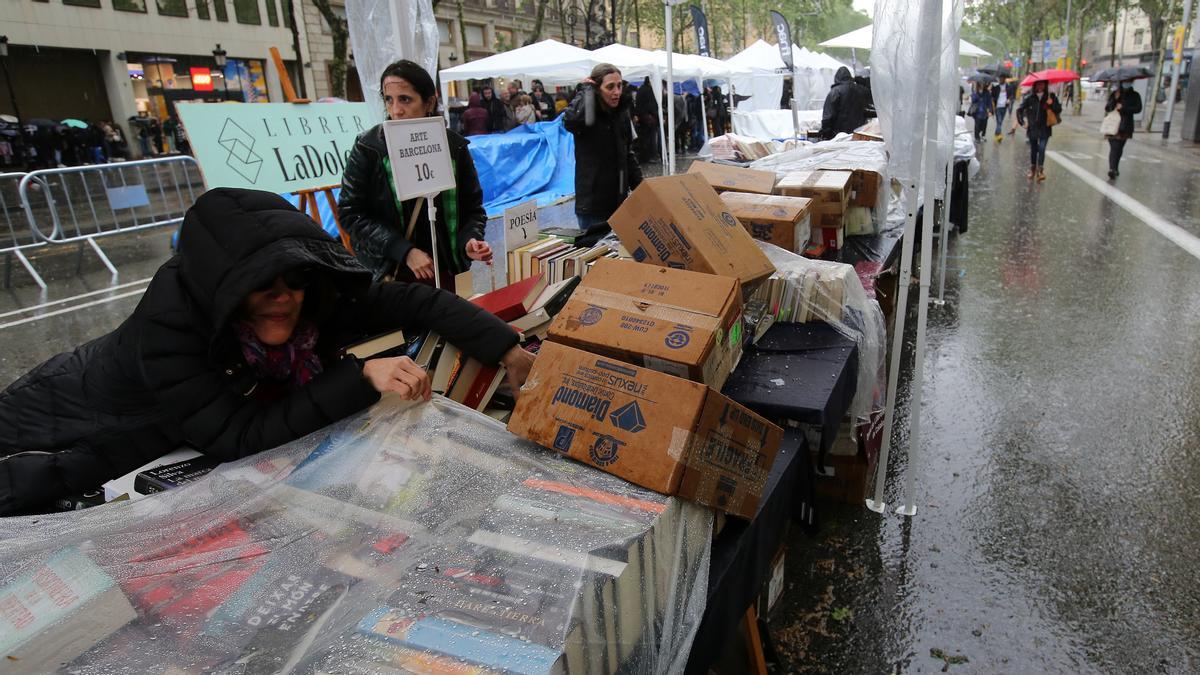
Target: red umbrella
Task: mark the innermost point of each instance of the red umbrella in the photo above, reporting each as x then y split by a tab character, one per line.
1051	76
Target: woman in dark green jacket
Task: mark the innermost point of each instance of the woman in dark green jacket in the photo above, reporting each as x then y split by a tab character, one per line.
379	225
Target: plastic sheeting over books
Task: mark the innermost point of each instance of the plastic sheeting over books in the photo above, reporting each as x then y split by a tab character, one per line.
803	290
420	538
832	155
532	161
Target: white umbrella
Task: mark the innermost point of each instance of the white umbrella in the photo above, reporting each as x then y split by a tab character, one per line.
861	39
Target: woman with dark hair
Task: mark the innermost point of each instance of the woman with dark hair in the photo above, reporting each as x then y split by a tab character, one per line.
233	349
1127	103
497	111
543	103
606	167
1039	111
391	238
981	109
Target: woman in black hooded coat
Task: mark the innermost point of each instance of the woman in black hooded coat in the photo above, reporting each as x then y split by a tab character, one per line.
214	356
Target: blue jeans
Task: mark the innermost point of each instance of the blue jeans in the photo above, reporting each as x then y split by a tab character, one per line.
1000	111
1037	151
587	220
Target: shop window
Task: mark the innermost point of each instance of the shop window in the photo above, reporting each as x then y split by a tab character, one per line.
1138	36
443	32
130	5
83	3
246	11
202	9
272	13
173	8
219	8
285	8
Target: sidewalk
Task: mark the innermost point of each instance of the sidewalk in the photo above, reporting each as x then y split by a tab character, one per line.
1092	113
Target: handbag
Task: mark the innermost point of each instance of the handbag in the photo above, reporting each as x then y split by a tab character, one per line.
1051	117
972	109
1111	125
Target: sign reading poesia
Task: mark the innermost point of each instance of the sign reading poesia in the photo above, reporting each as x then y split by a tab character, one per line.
420	156
279	147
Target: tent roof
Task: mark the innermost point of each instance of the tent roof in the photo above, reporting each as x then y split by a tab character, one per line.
548	60
861	39
634	63
759	57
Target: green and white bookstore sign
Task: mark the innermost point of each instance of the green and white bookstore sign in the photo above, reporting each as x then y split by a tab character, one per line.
278	147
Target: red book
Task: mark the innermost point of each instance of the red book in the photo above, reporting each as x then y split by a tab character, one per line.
513	301
485	384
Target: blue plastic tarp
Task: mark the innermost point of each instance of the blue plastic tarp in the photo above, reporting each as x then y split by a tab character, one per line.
327	222
533	161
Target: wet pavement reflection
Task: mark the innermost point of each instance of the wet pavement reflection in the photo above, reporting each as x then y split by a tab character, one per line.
1060	447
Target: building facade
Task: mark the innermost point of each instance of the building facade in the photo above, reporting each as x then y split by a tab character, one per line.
122	59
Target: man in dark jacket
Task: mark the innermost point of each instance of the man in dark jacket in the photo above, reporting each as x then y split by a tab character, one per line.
177	371
646	109
845	106
606	168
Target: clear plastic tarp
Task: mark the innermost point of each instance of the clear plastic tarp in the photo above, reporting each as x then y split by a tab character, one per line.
408	538
835	155
803	290
385	31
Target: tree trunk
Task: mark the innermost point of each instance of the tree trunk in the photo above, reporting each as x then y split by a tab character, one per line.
341	33
562	21
637	23
462	32
536	33
1112	57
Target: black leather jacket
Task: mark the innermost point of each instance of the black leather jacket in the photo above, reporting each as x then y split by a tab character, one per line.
367	210
606	168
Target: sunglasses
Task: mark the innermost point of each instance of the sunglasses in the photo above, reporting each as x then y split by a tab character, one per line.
296	280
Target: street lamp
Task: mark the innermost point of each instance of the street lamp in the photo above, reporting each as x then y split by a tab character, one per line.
8	77
219	58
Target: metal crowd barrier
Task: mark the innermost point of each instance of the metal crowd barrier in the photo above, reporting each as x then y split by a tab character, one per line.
19	235
84	203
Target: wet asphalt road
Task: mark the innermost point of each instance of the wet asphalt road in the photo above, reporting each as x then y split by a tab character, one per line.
1060	454
1060	451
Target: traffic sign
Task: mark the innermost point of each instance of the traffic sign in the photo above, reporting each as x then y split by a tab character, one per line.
420	156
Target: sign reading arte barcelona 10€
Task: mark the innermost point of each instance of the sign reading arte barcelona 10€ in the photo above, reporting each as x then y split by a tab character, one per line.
278	147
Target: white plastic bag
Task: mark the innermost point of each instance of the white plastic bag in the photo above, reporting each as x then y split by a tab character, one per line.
1111	126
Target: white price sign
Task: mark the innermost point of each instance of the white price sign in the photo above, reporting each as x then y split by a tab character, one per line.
420	156
520	225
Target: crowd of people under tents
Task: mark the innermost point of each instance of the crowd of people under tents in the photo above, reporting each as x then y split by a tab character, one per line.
40	143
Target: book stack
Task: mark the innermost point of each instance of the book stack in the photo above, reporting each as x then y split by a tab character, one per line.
814	293
556	257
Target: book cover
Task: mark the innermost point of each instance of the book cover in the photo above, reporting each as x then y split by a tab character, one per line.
555	296
512	301
163	478
386	344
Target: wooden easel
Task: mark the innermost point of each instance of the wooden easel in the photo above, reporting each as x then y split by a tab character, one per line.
308	198
308	204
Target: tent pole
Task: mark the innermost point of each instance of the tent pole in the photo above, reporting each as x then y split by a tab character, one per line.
670	87
944	238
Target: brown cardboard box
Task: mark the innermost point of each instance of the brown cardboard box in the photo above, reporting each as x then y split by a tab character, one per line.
662	432
724	178
680	222
682	323
822	186
827	215
849	468
783	221
865	136
864	186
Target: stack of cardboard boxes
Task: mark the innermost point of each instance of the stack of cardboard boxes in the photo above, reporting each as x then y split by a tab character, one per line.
830	192
628	380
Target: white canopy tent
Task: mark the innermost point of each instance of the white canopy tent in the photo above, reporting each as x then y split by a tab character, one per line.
861	39
814	76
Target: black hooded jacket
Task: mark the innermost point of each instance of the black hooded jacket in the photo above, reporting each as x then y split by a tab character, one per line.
367	210
606	166
1033	113
1131	104
845	106
173	374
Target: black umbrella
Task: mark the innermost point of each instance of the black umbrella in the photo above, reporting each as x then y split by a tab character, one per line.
41	122
985	78
1122	74
996	69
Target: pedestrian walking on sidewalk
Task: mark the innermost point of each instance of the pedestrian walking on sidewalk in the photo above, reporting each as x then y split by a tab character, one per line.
1128	103
1039	112
981	109
1004	94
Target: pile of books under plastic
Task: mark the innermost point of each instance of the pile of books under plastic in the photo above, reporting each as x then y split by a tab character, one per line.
405	539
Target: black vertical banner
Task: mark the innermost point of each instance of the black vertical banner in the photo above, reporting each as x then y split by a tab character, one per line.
783	35
701	23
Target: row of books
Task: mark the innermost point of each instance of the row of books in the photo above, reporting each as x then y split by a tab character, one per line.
556	257
815	292
418	544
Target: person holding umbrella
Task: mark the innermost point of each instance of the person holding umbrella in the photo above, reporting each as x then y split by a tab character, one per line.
981	108
1127	102
1039	112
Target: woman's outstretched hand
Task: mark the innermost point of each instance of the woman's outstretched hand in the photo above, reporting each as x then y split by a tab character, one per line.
517	363
401	375
479	250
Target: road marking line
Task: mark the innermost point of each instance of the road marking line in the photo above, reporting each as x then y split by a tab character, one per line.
67	310
110	289
1179	236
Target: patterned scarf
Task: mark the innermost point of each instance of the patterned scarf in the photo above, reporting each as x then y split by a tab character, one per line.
294	363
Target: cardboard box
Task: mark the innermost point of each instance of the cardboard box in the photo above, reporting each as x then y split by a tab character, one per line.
849	469
664	433
832	238
864	188
824	187
680	222
723	177
783	221
866	136
677	322
827	215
